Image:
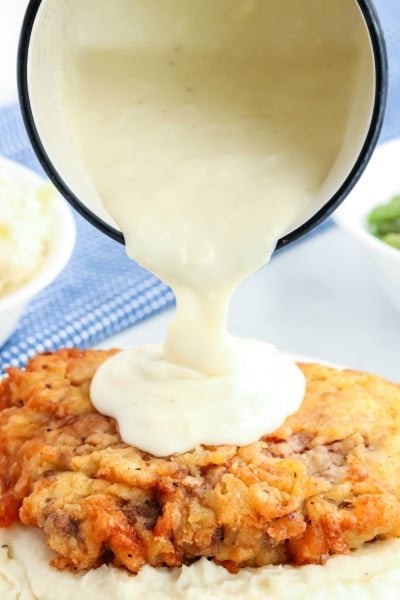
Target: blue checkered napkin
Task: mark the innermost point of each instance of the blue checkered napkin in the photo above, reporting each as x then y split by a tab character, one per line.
100	293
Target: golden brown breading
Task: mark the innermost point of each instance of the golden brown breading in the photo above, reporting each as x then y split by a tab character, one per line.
325	482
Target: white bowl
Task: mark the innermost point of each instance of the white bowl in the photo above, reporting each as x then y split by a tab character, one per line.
61	244
379	183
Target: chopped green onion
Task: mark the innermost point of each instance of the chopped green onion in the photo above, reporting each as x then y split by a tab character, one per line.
384	222
385	212
393	239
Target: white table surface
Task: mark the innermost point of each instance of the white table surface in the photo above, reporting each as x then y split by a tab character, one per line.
319	298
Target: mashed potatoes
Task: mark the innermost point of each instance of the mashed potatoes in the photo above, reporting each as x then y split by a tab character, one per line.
369	574
24	229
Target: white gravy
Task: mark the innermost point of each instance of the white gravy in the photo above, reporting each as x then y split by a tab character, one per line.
207	135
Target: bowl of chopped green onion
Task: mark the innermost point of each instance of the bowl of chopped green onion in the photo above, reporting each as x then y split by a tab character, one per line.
371	215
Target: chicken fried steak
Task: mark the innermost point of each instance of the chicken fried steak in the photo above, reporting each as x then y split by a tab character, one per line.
324	483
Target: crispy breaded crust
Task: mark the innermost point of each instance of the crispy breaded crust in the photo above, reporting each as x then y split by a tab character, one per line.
324	483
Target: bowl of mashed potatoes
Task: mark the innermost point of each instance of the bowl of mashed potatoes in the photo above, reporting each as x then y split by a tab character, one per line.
37	236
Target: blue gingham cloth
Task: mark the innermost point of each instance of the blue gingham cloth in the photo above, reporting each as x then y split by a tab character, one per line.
101	292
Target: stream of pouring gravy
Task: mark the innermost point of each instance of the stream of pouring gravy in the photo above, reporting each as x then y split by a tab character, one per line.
206	141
